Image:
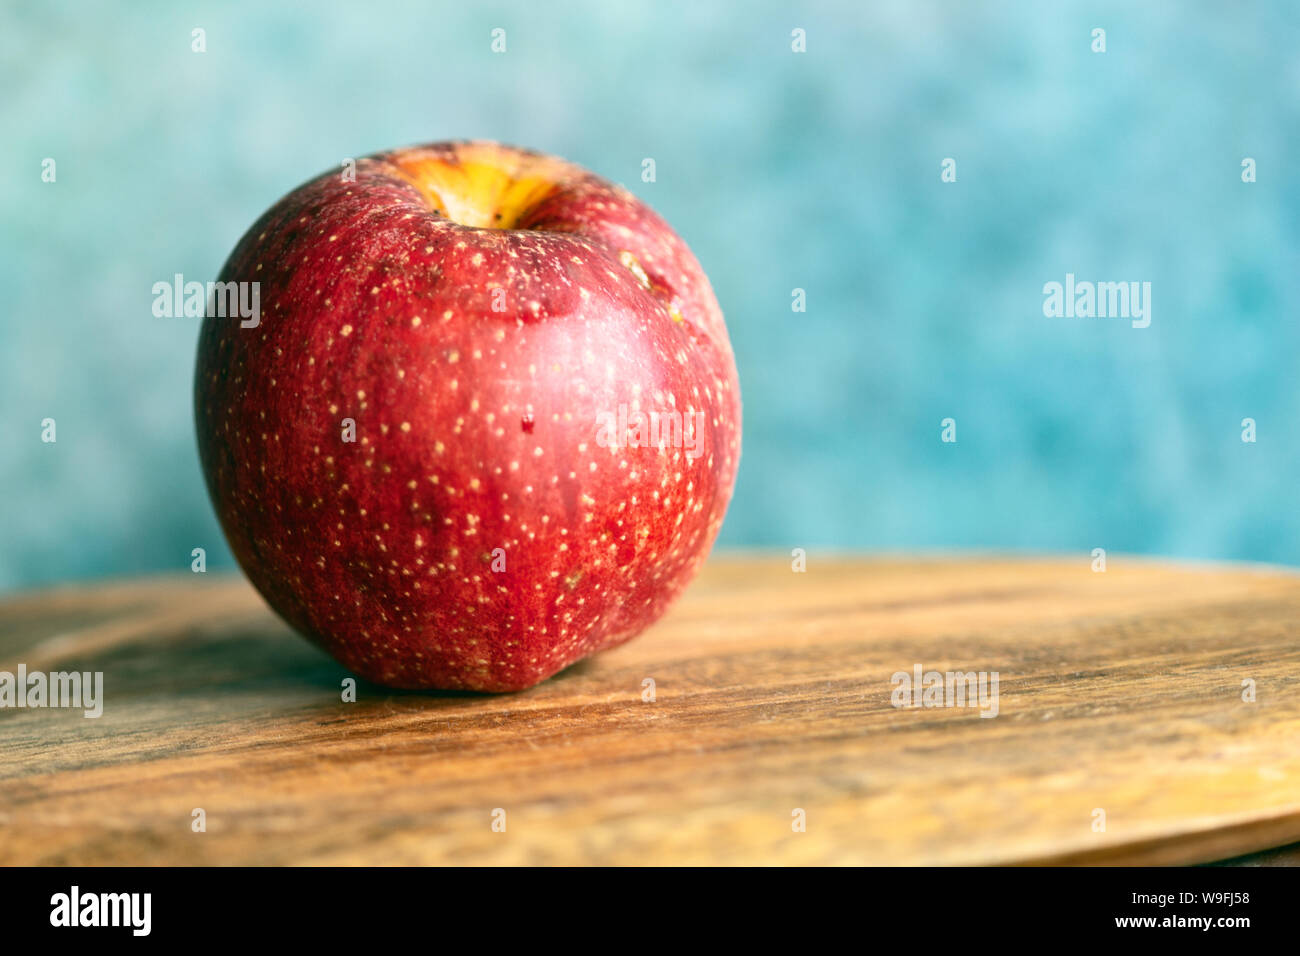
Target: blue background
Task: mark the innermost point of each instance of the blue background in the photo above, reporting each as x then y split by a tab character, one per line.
818	170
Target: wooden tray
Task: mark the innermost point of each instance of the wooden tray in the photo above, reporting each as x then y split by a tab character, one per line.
1119	692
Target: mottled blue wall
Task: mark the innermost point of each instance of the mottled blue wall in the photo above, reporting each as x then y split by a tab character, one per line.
818	170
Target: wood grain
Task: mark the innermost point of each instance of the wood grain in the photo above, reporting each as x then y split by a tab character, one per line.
1119	690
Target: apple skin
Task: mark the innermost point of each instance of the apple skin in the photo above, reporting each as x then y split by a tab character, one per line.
474	308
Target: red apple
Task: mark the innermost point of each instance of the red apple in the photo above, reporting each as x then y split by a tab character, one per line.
436	453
